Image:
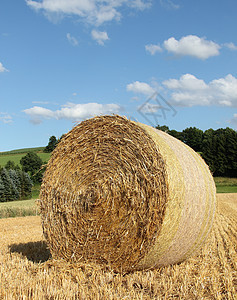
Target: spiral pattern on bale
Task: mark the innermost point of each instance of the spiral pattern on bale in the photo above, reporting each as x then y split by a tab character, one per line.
115	193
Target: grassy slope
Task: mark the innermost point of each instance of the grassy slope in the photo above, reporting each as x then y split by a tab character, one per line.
16	157
23	150
22	207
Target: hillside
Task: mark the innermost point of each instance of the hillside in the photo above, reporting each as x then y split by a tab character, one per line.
23	150
16	155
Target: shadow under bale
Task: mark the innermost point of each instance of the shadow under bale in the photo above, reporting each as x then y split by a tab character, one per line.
36	252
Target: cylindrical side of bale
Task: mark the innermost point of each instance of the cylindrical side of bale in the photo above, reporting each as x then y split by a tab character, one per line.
191	206
125	194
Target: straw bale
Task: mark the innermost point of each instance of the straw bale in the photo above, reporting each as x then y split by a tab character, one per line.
125	194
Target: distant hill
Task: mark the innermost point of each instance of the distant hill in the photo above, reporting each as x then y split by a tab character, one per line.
23	150
16	155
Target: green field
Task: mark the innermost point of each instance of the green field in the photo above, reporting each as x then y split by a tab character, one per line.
23	150
16	155
35	191
226	185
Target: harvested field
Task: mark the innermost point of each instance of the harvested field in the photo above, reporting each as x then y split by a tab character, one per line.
27	272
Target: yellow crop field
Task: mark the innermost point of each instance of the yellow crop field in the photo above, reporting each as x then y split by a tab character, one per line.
27	272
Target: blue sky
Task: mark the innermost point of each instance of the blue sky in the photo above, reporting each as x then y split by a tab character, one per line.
64	61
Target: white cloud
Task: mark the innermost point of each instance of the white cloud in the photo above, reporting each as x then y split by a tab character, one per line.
72	40
106	14
192	45
71	111
153	48
5	118
141	88
231	46
169	4
78	7
225	90
38	113
189	91
95	12
139	4
99	36
40	102
2	68
186	82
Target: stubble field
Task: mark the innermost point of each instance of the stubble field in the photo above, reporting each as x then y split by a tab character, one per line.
28	272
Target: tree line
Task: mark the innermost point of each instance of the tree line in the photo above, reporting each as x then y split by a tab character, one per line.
217	147
16	182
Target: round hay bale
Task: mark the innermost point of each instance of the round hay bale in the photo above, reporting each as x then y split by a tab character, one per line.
125	194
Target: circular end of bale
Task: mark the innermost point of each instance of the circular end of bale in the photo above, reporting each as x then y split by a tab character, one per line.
104	193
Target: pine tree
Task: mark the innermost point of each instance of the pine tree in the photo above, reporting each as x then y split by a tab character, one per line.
7	182
15	184
2	194
26	185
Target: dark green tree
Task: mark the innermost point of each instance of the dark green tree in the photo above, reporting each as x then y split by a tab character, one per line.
177	134
231	152
10	165
62	136
163	128
220	151
8	185
31	163
2	191
51	145
15	184
208	149
25	184
220	160
193	137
